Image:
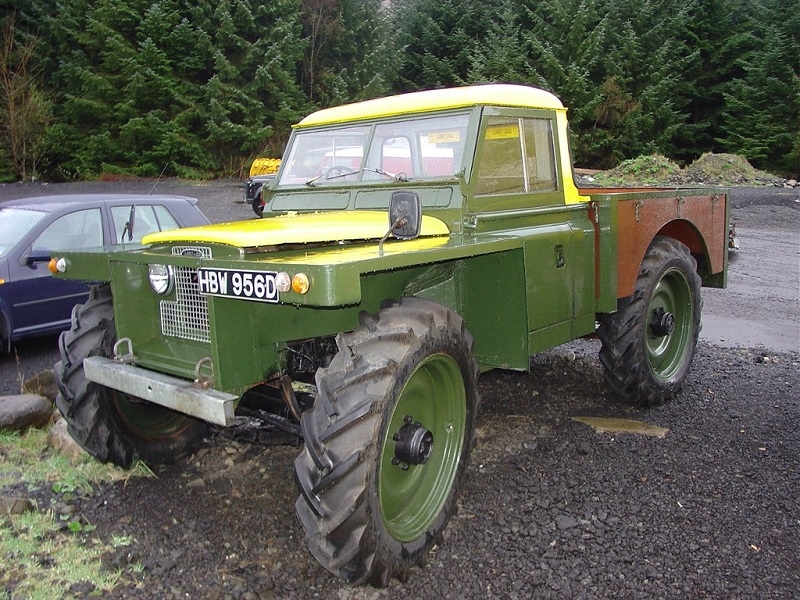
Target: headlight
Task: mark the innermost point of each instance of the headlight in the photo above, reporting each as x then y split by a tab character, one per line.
161	279
283	282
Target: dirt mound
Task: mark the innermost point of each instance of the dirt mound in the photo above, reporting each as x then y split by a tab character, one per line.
653	169
709	169
725	169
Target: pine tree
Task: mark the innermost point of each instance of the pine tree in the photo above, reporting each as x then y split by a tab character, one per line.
761	116
194	86
436	41
501	57
349	53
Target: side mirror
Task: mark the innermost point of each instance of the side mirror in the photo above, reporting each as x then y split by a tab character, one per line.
405	215
36	255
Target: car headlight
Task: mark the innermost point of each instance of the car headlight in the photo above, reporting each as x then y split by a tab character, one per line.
161	279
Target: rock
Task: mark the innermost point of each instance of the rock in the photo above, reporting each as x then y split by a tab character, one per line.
566	522
60	439
14	506
20	412
42	384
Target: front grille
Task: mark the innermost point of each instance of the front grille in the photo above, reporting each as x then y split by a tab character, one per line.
186	317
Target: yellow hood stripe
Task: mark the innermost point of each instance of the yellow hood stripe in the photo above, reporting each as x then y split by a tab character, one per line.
293	229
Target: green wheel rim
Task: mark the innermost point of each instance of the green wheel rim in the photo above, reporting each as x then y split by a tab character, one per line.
666	353
147	420
411	499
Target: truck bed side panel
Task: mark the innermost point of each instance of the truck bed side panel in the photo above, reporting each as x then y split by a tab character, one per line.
697	218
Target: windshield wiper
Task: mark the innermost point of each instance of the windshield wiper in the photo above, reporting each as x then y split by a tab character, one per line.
327	175
398	177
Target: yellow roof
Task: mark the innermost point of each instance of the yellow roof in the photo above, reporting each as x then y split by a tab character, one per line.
496	94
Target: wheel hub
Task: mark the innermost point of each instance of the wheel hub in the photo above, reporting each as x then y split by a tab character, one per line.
413	444
662	323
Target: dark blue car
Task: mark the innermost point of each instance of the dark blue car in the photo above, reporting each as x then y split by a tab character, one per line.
32	302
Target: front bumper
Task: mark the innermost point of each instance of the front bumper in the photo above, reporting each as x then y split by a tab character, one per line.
180	395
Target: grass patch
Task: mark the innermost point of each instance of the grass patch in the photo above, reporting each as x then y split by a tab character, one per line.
43	562
26	458
644	170
44	556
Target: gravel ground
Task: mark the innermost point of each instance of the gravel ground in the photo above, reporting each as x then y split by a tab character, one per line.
551	509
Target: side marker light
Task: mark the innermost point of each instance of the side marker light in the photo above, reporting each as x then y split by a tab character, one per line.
300	283
58	265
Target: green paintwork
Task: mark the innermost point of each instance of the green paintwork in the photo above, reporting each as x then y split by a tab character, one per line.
607	223
526	271
666	353
411	499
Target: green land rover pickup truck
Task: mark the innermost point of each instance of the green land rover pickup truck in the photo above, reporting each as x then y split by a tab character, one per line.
407	244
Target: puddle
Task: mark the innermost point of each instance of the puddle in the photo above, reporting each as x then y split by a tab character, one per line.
605	425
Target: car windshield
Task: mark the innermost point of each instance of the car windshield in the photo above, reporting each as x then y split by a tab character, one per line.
14	224
406	149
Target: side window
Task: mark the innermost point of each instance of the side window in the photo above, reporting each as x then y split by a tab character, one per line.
165	219
517	157
147	219
75	231
540	164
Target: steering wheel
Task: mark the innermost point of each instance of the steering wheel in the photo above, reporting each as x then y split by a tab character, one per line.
338	171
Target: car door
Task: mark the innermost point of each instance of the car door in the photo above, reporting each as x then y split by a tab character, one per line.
517	185
39	302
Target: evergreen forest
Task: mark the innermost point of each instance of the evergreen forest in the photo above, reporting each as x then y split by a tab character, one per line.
199	88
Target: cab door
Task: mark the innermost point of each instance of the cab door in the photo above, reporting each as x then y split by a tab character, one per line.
516	187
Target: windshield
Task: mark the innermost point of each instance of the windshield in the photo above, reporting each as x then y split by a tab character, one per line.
14	224
409	149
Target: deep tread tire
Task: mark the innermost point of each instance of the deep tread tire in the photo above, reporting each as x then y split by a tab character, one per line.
641	366
111	426
366	519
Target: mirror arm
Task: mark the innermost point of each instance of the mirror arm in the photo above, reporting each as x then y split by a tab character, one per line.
399	222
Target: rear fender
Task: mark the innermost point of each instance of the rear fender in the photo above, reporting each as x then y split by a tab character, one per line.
699	221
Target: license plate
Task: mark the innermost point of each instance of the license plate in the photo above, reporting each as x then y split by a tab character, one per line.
234	283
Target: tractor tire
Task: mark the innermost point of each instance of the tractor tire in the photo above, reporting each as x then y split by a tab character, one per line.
110	425
387	442
648	344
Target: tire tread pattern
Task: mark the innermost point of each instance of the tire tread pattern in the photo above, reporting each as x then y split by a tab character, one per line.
623	352
88	407
335	472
